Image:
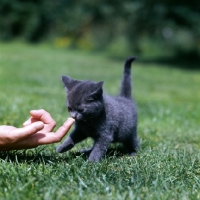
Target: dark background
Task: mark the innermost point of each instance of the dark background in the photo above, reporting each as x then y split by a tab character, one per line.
167	30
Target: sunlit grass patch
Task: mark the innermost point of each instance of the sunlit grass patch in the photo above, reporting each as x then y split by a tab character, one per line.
167	165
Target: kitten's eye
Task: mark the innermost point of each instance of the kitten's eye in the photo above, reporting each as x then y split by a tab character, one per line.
80	110
69	109
90	98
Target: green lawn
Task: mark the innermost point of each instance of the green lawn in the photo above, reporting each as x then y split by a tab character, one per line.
168	98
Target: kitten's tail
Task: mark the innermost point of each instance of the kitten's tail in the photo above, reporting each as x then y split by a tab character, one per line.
126	79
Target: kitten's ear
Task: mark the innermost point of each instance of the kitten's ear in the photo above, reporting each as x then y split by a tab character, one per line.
68	82
98	91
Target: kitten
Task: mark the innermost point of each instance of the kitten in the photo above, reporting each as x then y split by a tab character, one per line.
104	118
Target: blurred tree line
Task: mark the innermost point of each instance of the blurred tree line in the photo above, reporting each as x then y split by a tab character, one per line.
172	25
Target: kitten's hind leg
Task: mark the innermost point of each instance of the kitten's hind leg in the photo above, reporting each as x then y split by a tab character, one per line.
86	151
132	145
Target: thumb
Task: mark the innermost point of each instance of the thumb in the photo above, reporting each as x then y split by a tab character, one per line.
28	130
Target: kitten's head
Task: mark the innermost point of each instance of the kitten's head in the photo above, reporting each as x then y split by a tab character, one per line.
84	99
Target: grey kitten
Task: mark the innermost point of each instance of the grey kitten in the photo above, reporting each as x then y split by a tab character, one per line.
104	118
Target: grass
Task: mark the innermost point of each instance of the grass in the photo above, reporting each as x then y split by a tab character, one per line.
168	163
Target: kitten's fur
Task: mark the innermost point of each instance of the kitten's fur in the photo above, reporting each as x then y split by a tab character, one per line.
104	118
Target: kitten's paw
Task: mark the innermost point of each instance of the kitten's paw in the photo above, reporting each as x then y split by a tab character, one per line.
61	149
133	153
65	146
86	151
94	158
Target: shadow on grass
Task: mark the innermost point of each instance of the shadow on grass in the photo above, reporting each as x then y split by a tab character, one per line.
24	157
39	157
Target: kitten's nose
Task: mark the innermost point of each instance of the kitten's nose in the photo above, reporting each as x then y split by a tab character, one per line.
73	114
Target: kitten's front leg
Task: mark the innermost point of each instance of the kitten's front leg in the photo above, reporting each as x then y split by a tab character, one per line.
66	145
99	149
74	138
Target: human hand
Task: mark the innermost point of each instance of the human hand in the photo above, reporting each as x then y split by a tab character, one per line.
36	131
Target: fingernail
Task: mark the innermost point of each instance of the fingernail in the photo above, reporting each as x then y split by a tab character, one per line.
32	111
39	125
25	123
71	119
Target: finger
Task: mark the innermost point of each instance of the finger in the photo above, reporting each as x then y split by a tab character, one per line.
45	117
27	122
49	138
30	121
63	130
42	115
21	133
